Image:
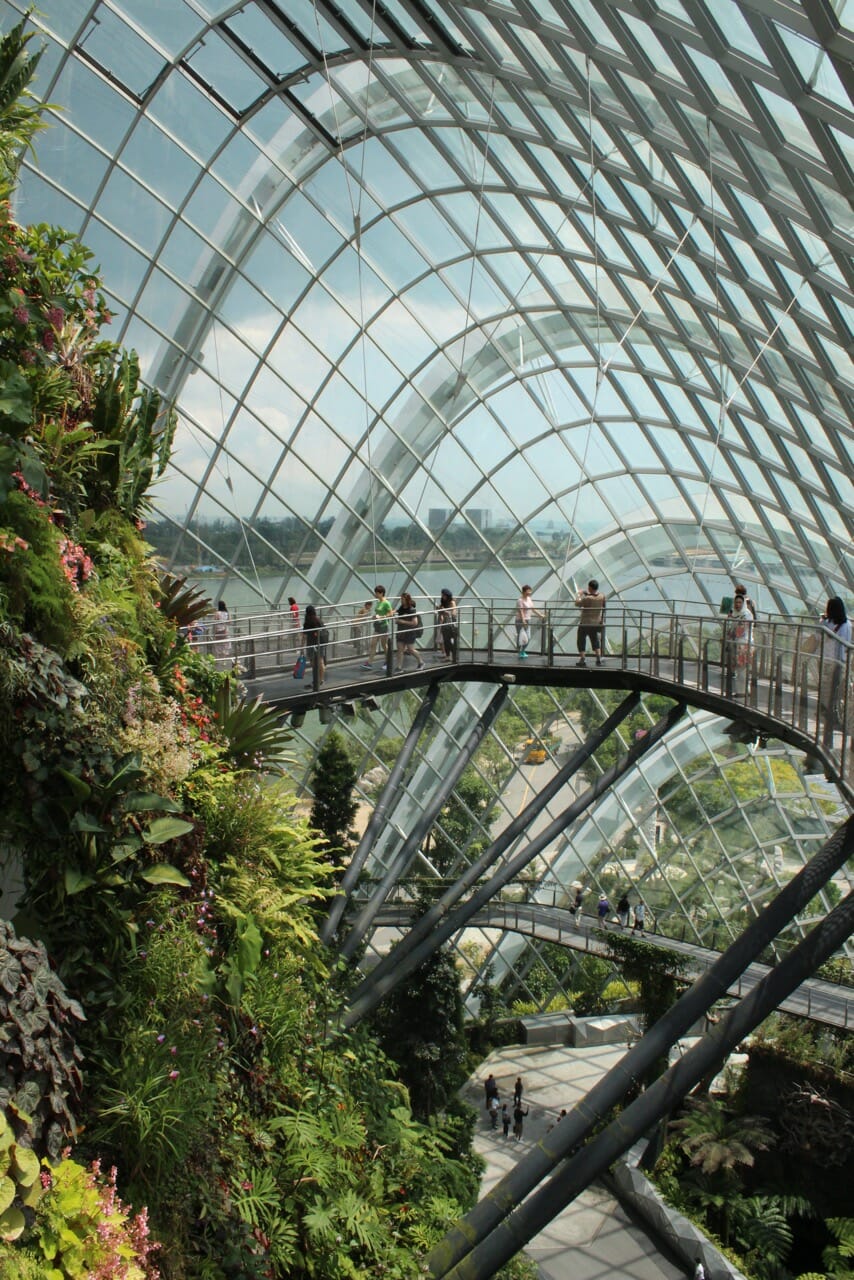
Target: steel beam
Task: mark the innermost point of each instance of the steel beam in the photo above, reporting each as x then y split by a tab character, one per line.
425	925
456	919
405	854
633	1067
377	819
655	1103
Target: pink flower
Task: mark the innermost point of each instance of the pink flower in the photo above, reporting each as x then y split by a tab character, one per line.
173	1075
21	314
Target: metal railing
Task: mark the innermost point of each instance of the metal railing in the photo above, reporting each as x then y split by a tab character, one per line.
791	671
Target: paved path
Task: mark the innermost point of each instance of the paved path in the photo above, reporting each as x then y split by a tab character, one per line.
593	1239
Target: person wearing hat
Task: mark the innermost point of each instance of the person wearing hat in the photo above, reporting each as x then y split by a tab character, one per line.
603	908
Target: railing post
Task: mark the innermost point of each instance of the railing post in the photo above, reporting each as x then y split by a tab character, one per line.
680	659
490	634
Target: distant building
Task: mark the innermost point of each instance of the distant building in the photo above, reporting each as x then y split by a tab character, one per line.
438	517
481	517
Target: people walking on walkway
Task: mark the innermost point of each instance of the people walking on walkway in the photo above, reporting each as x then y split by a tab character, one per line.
490	1088
836	628
603	908
591	602
518	1120
505	1119
360	628
623	909
575	909
446	622
294	639
380	625
739	635
493	1111
315	636
517	1091
409	629
525	609
640	917
222	644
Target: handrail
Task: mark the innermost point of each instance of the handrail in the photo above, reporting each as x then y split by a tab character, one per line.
788	672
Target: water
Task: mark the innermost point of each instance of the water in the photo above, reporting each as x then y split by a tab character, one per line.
493	583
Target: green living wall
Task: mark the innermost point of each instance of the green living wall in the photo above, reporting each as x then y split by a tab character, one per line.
171	1102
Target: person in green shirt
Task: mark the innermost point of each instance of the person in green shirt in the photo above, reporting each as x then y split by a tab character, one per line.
382	612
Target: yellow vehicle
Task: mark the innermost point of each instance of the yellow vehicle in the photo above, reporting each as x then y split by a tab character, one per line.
533	752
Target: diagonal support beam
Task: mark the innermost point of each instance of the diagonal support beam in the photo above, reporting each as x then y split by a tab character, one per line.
405	854
459	916
657	1101
607	1092
425	925
376	822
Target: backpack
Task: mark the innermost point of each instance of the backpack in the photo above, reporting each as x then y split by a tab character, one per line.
417	629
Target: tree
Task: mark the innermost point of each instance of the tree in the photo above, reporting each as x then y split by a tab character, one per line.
334	807
420	1026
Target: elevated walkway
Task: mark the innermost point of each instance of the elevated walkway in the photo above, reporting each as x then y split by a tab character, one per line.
786	684
824	1002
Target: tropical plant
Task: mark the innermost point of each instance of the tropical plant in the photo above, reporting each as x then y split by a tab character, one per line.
39	1058
254	733
136	429
717	1140
19	111
420	1026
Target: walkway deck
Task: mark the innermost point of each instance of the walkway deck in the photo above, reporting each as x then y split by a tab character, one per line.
787	688
823	1002
594	1237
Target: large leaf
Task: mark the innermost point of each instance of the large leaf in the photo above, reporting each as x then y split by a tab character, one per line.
163	873
12	1224
7	1193
163	829
27	1165
148	801
76	881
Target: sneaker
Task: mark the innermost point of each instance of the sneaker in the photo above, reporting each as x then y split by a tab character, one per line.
367	666
598	662
420	667
581	663
522	653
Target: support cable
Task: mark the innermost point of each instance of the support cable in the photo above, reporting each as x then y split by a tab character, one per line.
608	1091
356	211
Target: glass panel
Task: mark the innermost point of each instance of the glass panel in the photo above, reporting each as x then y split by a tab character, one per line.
169	23
267	40
235	81
134	211
123	54
159	162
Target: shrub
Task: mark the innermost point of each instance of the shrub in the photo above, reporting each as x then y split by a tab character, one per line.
39	1060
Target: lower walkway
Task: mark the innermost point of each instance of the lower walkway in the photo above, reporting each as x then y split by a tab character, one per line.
594	1238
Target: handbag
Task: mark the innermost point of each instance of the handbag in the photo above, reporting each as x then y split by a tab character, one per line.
299	667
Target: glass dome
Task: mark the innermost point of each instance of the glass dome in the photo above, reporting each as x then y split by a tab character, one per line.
483	293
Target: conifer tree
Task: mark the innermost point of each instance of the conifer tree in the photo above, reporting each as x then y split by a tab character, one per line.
334	807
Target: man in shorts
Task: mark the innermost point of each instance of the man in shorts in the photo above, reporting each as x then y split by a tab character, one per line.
591	602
